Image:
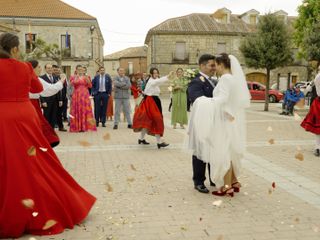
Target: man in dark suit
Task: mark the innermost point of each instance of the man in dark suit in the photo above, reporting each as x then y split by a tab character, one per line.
62	98
202	85
50	104
101	90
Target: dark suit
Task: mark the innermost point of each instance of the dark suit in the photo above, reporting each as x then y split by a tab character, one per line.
50	112
101	97
199	86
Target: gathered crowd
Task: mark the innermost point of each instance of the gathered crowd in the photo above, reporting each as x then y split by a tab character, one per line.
33	183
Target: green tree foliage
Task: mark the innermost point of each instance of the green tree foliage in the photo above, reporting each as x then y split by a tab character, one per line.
307	35
44	49
268	48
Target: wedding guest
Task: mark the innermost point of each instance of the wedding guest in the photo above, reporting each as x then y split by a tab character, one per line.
63	98
148	118
101	91
50	104
220	121
32	179
48	90
179	100
311	123
122	86
80	111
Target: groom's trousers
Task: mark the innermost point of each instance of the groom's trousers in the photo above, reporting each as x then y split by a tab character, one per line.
199	171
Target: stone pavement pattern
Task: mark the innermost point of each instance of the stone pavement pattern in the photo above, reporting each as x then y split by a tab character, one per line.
147	194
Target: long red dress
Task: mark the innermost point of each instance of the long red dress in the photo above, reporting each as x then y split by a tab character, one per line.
81	111
37	195
311	122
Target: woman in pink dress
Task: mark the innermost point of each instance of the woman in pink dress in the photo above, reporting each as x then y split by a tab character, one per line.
81	116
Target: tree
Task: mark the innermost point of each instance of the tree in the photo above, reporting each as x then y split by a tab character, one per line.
268	48
49	50
307	26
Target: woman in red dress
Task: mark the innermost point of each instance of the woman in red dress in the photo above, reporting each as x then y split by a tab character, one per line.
37	195
148	117
48	90
311	122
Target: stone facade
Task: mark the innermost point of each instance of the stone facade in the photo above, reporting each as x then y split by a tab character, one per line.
86	41
132	59
163	41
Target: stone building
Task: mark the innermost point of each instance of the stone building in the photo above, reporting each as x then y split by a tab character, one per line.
76	33
178	42
132	59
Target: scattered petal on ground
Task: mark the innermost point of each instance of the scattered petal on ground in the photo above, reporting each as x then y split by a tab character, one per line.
299	156
131	179
132	167
217	203
183	228
269	129
109	187
273	185
106	137
149	178
271	141
84	143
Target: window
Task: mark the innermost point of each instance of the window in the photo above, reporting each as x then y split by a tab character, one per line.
30	39
256	87
221	48
253	19
66	45
224	18
130	64
180	53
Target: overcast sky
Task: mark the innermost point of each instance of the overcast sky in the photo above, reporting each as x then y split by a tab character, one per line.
125	23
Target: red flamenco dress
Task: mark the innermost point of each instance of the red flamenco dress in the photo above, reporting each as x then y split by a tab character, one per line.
311	122
149	116
37	195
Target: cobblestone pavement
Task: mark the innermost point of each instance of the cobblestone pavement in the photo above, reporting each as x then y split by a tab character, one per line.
147	194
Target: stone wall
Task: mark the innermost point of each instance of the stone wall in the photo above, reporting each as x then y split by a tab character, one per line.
86	47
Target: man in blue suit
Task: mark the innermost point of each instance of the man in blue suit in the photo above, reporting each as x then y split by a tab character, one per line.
202	85
101	90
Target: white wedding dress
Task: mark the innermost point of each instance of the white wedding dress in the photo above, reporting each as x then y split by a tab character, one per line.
217	127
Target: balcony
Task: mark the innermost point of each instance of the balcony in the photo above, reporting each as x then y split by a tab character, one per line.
180	57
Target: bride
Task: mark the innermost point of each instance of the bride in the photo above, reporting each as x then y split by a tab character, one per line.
217	128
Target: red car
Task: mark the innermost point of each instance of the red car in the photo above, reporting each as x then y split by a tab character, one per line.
258	91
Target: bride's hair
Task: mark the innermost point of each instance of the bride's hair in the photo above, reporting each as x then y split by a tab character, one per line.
224	59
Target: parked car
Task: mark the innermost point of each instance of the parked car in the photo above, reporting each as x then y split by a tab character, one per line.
257	91
304	87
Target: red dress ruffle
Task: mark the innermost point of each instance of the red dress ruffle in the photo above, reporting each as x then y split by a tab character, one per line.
47	130
311	122
148	116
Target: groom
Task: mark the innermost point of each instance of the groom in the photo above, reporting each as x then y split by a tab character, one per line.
202	85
